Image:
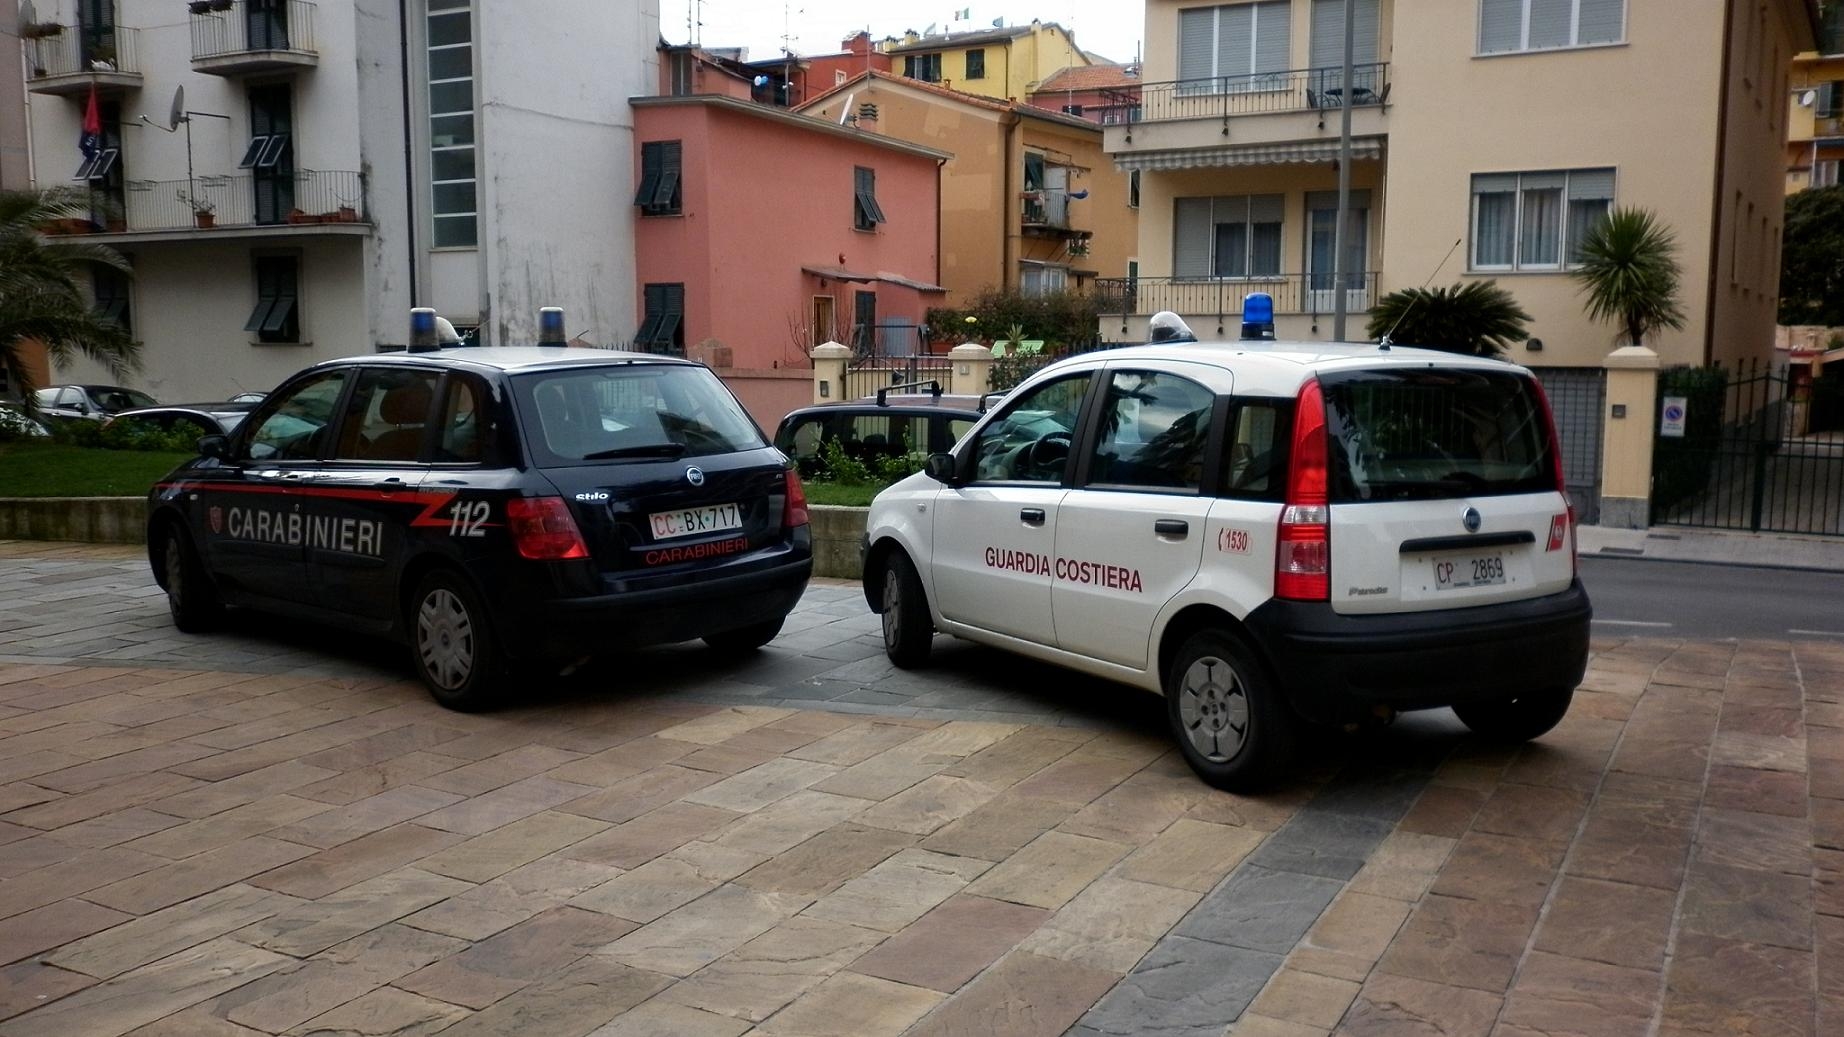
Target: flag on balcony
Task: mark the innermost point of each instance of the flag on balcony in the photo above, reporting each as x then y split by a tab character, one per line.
89	141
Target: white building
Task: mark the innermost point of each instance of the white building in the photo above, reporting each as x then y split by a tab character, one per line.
335	163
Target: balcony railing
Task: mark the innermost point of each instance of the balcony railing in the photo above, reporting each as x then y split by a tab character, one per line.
305	196
1308	293
1828	124
76	52
224	29
1260	94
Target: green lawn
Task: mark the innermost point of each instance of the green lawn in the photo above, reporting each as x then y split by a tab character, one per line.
41	469
856	495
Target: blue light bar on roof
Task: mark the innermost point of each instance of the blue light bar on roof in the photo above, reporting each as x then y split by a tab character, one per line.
550	326
423	335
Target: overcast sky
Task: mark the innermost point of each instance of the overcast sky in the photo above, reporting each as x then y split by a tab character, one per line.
1107	27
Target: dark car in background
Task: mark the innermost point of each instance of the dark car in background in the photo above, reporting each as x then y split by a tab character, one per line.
212	419
59	403
873	428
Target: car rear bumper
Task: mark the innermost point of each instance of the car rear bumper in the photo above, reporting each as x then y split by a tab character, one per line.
1338	667
573	627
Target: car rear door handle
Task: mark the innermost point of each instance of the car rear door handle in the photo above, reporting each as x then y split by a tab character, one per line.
1032	516
1172	528
391	485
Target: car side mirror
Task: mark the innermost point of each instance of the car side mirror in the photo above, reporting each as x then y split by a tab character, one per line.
214	446
940	467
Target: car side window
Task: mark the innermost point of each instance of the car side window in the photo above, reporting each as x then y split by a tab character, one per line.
70	398
388	416
291	425
1154	427
870	436
1030	440
463	421
957	427
1252	457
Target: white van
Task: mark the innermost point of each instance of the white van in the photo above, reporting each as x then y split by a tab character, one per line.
1266	533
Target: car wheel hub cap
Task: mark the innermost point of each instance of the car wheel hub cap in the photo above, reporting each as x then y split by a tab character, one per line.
893	627
444	639
1214	707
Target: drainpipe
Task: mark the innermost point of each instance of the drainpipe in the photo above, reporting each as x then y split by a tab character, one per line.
1722	139
409	147
1014	134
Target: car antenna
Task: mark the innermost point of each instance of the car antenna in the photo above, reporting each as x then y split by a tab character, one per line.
1384	342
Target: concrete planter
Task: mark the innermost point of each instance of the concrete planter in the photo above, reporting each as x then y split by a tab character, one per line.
837	534
100	520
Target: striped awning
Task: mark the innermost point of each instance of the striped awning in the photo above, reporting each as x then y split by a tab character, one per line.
1248	155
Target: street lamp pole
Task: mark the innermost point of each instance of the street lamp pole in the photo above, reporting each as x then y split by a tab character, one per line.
1346	96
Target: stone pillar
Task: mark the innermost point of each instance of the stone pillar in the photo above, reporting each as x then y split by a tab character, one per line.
971	374
829	362
1626	442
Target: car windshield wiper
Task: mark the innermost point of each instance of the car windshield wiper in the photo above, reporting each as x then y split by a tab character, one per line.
650	450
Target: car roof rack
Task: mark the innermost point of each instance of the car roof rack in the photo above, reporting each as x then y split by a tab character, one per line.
932	386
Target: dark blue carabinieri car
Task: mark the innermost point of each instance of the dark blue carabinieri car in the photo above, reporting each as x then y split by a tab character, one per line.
490	507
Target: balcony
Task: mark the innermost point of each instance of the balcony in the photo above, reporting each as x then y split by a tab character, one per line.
304	202
247	37
1828	124
1311	294
1045	214
68	60
1268	108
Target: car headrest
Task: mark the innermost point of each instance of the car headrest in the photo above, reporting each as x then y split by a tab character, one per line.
406	404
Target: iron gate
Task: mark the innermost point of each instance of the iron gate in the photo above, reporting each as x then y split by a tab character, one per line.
1754	467
891	354
1578	399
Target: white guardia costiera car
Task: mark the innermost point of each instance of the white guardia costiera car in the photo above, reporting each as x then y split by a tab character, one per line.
1266	533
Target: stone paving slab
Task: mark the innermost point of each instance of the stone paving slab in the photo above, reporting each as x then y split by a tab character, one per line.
252	833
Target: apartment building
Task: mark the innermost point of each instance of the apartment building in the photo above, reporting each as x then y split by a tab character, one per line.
1004	62
290	177
1815	109
1487	136
1028	201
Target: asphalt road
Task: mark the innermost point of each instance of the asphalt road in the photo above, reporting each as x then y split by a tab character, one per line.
1686	599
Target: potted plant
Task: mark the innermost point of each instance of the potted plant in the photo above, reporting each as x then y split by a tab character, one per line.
199	6
41	30
220	5
204	211
348	214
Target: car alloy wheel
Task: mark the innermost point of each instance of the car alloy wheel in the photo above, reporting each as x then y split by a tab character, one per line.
445	638
1215	708
893	612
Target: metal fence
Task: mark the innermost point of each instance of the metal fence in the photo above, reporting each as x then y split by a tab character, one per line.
77	48
1303	293
891	353
241	26
1577	398
300	196
1261	93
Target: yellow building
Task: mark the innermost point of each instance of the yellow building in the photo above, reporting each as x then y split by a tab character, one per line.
1028	202
1006	63
1815	113
1487	137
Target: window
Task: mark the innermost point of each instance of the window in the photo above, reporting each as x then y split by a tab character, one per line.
110	287
288	426
1236	236
463	413
1133	189
926	67
1253	457
387	416
659	193
452	176
1825	173
1434	435
1530	221
276	317
662	328
866	214
976	64
1507	26
1234	47
838	77
1039	279
864	322
1153	430
1030	441
269	157
644	411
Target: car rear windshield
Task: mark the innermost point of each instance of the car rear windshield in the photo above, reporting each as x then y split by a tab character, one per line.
632	412
1433	434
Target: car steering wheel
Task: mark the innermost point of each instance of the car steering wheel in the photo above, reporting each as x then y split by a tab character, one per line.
1049	452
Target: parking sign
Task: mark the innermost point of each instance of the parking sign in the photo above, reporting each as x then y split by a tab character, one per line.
1671	418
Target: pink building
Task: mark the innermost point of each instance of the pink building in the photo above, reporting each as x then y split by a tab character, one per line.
762	233
1106	94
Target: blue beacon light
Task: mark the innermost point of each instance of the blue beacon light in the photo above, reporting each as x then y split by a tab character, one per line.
550	326
1258	316
423	337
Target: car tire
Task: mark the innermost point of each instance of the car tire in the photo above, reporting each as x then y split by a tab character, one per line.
1517	719
909	630
190	595
1226	714
746	639
452	644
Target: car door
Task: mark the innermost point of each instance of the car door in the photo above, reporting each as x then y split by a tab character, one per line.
253	505
995	535
361	503
1130	536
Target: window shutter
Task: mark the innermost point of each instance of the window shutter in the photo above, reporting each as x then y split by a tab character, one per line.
1501	26
1585	184
649	173
1273	52
1549	22
1196	42
666	195
1367	19
1267	208
1236	40
1327	201
1191	231
1601	21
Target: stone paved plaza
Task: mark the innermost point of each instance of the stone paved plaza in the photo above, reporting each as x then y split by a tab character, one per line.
273	830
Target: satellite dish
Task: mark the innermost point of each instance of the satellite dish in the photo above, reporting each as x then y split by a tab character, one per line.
28	15
1806	99
177	114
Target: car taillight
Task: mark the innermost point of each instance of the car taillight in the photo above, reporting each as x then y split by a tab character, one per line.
1567	518
794	512
1303	557
542	529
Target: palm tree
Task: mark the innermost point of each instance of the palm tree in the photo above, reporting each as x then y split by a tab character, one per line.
40	295
1628	272
1477	318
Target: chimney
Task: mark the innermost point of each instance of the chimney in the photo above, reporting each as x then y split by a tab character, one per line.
857	43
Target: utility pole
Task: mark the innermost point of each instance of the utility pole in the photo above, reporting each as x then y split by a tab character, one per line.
1346	95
